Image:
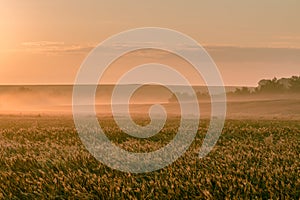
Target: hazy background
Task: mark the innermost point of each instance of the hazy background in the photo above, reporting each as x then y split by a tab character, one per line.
49	100
43	43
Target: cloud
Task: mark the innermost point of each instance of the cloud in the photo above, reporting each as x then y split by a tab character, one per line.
254	54
222	53
42	44
55	48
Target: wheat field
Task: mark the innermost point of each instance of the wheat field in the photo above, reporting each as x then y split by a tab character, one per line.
42	157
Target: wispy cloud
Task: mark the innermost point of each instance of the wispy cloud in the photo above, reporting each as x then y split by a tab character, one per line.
254	54
223	53
54	47
42	43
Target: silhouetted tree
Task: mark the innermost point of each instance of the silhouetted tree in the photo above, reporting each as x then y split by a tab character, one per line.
270	86
295	84
242	91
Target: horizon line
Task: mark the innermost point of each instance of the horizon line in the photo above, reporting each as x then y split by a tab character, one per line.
110	84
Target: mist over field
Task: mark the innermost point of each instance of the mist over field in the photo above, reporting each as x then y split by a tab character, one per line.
57	99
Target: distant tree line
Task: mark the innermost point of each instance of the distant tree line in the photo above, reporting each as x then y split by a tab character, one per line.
265	86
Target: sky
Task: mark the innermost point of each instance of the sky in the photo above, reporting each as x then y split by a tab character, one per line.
45	42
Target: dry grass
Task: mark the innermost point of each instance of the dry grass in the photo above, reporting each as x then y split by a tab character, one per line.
43	157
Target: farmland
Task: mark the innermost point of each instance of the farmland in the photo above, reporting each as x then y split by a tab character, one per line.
43	157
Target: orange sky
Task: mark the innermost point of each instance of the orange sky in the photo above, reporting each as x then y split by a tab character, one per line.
45	42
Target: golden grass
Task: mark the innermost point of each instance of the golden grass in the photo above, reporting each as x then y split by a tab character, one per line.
42	157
